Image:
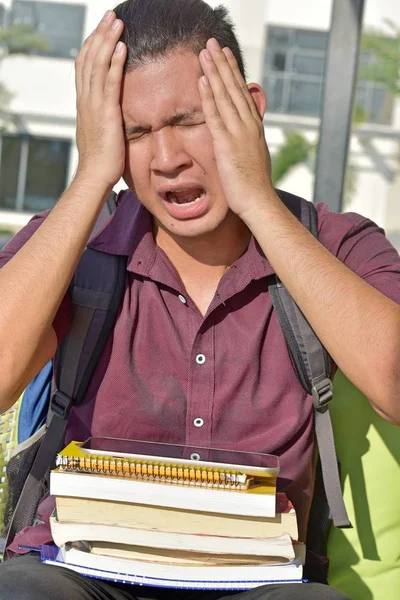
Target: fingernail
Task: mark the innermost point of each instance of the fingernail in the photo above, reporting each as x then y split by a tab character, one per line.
228	52
204	81
107	15
119	48
207	54
116	24
214	44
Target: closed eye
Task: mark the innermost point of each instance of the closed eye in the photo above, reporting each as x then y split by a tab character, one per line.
136	136
132	137
191	124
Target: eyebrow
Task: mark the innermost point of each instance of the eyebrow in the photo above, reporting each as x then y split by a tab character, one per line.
176	119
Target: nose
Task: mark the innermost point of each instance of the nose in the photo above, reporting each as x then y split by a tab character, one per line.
169	154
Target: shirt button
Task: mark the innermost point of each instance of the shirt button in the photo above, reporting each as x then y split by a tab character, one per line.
182	299
198	422
200	359
195	456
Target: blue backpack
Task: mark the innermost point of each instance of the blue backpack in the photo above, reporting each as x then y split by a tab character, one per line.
96	292
35	404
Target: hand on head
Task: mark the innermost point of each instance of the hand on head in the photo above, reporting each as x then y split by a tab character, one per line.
99	70
234	114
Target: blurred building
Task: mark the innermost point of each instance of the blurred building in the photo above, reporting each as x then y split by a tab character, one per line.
285	45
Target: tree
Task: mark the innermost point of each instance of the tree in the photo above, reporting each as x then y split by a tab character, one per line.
294	151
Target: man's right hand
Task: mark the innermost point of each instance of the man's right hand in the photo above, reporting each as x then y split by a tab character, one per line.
99	70
35	280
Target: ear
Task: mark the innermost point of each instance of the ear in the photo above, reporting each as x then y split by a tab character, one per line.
259	98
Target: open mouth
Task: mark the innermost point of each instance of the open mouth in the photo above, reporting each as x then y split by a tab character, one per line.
185	196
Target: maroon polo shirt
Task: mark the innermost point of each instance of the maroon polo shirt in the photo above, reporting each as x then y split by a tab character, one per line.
169	374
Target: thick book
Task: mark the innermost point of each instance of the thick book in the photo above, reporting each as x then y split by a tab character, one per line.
125	516
138	572
280	547
229	482
281	551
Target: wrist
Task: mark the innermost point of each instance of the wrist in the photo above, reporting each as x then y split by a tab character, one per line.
87	182
264	207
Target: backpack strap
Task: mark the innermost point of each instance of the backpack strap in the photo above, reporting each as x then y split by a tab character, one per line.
313	366
96	292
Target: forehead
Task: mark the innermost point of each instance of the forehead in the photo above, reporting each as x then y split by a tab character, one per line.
161	87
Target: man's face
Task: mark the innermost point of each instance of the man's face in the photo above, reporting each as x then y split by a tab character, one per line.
170	162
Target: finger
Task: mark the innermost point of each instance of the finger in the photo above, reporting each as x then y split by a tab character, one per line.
112	90
103	59
223	101
241	82
97	41
230	82
212	116
79	62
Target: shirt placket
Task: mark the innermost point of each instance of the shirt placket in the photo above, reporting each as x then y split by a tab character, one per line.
200	396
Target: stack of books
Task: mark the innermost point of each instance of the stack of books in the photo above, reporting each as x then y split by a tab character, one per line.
148	514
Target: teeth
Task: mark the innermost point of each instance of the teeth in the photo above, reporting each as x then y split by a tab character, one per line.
182	203
172	197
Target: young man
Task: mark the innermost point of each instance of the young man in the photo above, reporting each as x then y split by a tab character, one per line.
196	355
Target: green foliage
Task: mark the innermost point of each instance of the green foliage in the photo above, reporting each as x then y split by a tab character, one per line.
386	52
296	150
359	115
19	39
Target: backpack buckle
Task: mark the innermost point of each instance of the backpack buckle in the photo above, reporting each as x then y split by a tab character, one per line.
60	404
322	393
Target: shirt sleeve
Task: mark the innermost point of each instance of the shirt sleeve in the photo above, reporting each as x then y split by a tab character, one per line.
362	246
63	318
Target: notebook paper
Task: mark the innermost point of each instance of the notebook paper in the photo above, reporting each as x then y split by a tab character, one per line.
53	555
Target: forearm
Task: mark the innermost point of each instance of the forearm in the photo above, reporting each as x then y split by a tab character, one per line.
357	324
34	282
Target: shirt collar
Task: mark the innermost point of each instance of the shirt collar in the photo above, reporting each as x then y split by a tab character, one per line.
129	232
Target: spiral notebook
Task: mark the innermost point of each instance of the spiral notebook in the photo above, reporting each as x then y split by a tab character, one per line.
145	574
209	479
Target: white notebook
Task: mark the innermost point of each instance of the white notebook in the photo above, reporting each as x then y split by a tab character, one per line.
135	572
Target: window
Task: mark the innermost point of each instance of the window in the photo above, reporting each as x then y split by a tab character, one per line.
60	24
33	172
294	73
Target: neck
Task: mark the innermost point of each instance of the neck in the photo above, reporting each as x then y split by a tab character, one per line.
211	254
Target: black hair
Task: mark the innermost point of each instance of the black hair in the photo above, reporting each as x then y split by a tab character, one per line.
155	27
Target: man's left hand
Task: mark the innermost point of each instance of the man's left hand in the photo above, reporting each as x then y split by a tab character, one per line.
237	130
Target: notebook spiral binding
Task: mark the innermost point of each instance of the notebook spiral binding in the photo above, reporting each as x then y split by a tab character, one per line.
157	472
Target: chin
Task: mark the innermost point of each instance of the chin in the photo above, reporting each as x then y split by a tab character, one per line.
191	229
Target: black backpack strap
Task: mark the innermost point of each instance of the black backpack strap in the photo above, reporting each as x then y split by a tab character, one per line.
96	293
313	366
